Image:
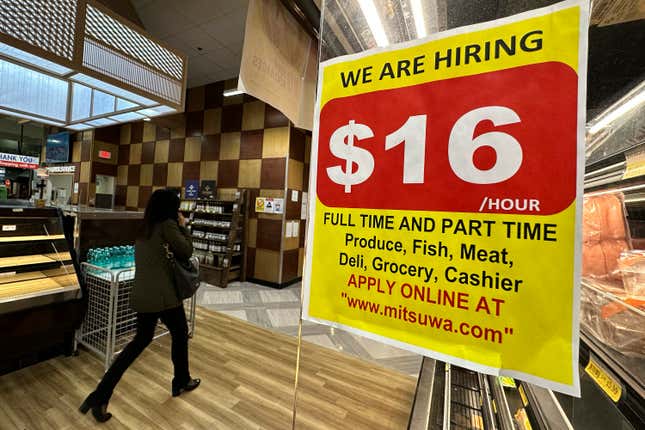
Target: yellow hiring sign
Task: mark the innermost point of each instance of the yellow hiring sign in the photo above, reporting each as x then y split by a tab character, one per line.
447	181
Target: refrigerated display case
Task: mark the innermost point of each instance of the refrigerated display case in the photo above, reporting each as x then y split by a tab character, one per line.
612	309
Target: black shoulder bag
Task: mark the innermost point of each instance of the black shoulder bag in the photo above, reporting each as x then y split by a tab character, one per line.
186	274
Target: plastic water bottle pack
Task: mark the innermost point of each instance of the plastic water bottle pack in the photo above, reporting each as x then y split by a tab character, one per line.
113	257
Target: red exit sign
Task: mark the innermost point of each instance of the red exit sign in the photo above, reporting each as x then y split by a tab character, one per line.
106	155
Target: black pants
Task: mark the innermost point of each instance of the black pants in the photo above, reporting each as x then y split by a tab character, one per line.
175	320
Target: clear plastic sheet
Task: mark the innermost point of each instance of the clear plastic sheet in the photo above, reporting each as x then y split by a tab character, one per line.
631	265
614	321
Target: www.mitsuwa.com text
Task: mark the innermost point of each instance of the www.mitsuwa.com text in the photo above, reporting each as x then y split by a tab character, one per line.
402	313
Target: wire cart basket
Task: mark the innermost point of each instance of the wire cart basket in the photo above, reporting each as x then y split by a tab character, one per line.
109	323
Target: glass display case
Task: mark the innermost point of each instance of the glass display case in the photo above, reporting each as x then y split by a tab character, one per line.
35	261
40	294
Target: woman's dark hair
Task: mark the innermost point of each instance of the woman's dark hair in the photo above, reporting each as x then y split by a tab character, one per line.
163	205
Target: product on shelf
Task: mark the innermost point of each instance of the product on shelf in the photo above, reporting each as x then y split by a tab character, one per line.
593	260
522	419
591	220
212	223
613	294
187	205
207	207
613	217
612	249
605	237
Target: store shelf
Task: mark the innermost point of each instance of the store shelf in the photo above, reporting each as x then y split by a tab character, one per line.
234	214
44	285
210	226
629	372
208	266
8	239
7	278
213	240
59	257
26	260
214	213
234	254
216	201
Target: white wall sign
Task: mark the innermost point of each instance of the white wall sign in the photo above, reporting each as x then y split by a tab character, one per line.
19	161
61	169
304	205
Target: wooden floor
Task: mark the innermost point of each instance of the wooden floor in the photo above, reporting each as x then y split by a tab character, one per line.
247	383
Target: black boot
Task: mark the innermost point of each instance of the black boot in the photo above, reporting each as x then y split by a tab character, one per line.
99	411
189	386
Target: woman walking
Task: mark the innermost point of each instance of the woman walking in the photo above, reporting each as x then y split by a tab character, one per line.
153	297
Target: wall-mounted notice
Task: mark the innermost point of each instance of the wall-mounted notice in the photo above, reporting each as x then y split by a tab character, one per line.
191	189
447	187
18	161
304	205
269	205
292	229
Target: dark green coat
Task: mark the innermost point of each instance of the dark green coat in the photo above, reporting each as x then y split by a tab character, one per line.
154	289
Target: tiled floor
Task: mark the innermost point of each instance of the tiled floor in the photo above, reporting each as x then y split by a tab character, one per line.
279	310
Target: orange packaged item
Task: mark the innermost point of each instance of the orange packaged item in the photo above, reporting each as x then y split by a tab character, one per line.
591	220
613	217
593	260
612	250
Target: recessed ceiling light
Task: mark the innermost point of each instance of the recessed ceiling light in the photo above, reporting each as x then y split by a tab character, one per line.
419	22
232	92
373	21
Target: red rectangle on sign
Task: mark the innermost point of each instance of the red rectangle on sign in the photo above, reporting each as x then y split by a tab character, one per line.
506	136
105	155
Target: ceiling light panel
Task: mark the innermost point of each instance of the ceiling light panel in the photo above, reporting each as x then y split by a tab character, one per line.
32	92
104	66
26	57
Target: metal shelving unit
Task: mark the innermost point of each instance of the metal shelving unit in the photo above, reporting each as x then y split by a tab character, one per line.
611	357
230	263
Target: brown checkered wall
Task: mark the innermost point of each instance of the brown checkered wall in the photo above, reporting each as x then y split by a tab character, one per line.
298	181
240	142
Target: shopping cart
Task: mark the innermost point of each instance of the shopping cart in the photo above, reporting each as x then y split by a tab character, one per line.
110	323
